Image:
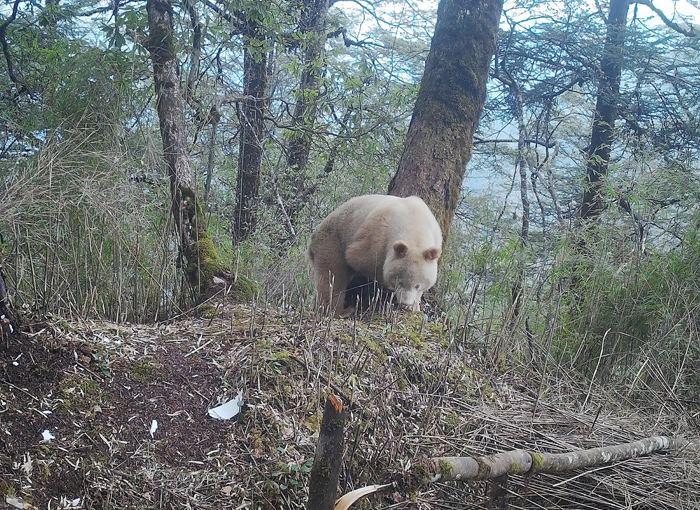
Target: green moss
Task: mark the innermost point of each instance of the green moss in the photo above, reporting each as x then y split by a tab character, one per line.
537	461
488	393
372	345
283	355
205	263
208	311
313	422
244	288
453	419
445	468
417	332
287	390
144	370
79	393
421	472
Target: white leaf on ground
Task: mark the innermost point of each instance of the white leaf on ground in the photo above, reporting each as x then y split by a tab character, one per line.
154	427
352	497
47	436
15	502
229	409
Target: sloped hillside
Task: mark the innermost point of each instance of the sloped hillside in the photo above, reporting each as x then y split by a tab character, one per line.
100	415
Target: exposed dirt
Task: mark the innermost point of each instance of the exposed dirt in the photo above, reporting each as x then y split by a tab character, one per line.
413	391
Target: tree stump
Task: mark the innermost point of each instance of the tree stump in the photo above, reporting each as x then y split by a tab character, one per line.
329	455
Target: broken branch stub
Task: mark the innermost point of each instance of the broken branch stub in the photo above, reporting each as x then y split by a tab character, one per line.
329	456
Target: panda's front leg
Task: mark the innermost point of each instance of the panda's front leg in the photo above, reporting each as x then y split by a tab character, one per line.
415	307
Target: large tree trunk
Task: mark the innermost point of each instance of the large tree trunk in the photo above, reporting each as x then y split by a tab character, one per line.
312	24
451	96
251	140
196	247
602	132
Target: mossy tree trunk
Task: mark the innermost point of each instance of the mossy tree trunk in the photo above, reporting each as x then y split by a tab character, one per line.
606	111
488	467
255	80
450	100
196	247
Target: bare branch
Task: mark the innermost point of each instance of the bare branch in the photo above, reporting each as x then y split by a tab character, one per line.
236	19
688	32
108	8
342	31
479	141
11	72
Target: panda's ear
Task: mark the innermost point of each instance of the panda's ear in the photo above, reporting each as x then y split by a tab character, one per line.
400	249
431	253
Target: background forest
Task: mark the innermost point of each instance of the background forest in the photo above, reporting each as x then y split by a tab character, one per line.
291	107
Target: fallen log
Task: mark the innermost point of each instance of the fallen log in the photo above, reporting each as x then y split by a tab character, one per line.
523	462
500	465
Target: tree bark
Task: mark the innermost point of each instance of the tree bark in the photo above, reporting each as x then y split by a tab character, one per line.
252	120
329	456
12	73
606	111
196	247
9	322
312	26
449	103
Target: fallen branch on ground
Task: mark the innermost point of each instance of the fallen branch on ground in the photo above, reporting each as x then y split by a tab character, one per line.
489	467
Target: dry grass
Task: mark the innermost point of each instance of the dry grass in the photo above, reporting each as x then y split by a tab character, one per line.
83	238
412	387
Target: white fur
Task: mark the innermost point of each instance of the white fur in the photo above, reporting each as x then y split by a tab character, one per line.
394	240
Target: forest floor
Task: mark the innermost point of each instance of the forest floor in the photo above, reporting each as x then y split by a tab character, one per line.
79	400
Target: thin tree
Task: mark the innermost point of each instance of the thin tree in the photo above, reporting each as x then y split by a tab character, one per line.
196	246
606	110
312	25
450	100
608	99
252	119
515	97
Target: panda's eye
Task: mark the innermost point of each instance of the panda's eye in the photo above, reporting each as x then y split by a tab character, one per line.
417	286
